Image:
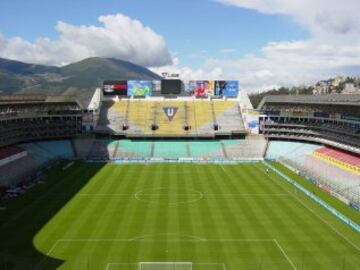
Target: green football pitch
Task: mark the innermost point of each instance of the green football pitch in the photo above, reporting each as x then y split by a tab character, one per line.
173	217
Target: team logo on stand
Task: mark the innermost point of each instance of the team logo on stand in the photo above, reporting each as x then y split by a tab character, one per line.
170	112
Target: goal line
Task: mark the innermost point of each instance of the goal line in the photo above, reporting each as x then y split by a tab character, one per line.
165	265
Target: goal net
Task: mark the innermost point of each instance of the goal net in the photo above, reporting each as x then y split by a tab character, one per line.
165	266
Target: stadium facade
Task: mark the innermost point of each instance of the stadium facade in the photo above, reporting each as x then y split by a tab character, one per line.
172	120
97	209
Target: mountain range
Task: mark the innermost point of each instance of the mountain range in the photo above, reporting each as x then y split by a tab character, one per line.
79	78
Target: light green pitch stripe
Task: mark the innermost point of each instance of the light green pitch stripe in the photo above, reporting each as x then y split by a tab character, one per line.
122	214
87	222
231	214
109	215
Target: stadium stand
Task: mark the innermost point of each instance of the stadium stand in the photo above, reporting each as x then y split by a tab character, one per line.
174	149
18	171
253	147
82	146
159	117
47	151
23	163
324	172
26	118
333	120
339	158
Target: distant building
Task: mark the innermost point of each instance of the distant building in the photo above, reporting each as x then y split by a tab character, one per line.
351	88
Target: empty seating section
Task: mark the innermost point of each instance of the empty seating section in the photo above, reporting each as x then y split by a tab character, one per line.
170	149
140	116
9	151
128	148
172	122
83	146
224	149
17	171
46	151
206	149
324	165
203	118
111	117
294	152
252	148
100	149
226	113
35	156
198	114
334	177
339	158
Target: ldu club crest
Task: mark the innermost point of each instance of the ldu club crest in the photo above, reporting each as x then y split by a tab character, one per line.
170	112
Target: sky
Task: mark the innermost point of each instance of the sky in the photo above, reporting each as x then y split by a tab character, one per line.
261	43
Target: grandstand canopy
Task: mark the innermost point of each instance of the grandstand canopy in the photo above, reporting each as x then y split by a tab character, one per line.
19	99
333	99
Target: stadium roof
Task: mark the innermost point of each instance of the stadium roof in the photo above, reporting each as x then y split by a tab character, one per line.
16	99
333	99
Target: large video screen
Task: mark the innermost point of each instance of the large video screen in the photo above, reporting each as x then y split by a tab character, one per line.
226	88
140	88
200	88
111	88
170	87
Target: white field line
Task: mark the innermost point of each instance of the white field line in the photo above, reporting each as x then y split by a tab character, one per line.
144	239
314	213
186	194
48	254
285	255
194	239
108	266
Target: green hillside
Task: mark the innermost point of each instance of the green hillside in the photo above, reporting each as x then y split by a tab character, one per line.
80	78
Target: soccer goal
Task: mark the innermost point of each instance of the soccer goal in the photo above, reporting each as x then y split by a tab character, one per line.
165	266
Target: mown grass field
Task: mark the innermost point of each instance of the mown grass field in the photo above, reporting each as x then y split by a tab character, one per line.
232	217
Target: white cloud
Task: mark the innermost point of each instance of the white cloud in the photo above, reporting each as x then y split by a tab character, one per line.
188	73
287	63
119	37
332	49
327	16
227	50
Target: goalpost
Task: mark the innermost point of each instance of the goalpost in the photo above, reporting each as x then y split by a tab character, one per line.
165	266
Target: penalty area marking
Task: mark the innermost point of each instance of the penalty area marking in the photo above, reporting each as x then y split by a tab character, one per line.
109	265
193	239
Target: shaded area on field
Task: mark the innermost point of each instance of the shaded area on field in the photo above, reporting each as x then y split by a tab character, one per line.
113	217
25	215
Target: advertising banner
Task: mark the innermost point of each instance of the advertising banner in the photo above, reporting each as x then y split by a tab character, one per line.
200	88
226	88
251	120
140	88
112	88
